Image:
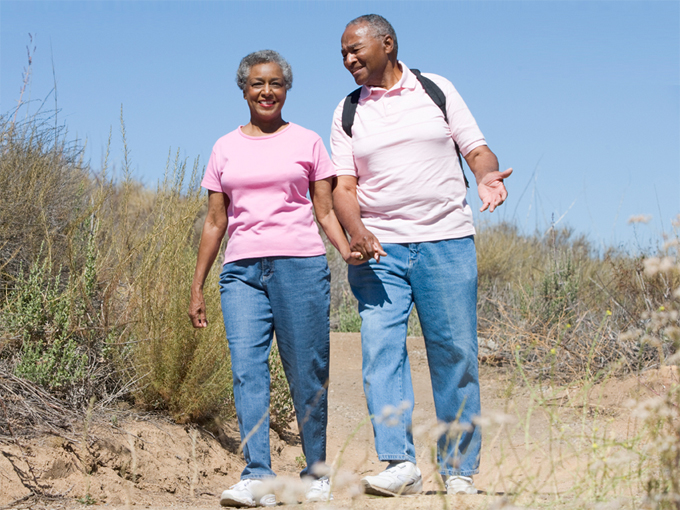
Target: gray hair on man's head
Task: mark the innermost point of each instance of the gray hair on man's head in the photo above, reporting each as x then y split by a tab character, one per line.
263	57
379	26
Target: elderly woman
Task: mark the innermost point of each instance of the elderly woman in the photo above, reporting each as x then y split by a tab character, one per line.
275	277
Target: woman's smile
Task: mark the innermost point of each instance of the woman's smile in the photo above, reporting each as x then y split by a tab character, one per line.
265	92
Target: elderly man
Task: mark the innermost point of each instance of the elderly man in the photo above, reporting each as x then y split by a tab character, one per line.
400	196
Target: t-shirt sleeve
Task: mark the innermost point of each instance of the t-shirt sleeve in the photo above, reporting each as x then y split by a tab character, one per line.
213	172
322	167
341	146
464	129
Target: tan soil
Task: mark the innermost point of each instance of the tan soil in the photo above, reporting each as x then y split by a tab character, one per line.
150	462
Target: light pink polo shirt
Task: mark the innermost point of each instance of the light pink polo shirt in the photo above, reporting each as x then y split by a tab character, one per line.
266	179
410	185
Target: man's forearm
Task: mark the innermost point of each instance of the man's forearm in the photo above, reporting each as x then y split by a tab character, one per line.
482	162
348	211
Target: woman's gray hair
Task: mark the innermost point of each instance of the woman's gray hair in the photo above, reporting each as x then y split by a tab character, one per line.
263	57
379	26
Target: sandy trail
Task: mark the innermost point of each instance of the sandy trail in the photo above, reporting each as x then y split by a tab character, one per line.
154	464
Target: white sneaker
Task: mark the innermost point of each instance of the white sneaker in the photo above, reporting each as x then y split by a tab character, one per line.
320	490
248	492
460	485
397	480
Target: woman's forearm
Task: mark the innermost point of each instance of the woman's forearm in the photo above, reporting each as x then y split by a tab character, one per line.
214	228
336	235
322	199
211	239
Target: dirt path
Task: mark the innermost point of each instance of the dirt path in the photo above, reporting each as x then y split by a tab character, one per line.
153	463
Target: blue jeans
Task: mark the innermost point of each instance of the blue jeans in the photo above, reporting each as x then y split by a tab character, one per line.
440	278
289	296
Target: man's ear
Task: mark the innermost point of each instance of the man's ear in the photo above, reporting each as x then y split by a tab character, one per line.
388	44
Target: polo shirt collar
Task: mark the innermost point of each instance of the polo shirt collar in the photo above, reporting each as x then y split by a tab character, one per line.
408	80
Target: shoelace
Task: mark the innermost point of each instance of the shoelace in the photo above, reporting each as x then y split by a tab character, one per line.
242	484
396	467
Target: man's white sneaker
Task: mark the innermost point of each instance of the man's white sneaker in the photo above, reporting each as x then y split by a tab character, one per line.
248	492
320	490
460	485
397	480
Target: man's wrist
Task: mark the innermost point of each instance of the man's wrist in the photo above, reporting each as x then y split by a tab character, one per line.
356	233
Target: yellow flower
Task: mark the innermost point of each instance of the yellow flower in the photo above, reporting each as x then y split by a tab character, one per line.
552	351
662	308
609	312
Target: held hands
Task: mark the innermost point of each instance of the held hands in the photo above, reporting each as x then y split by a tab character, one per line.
492	190
197	309
364	246
354	258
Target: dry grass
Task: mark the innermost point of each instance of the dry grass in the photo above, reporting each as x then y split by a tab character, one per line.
94	279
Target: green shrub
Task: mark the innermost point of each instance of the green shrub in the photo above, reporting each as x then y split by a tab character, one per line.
49	321
347	315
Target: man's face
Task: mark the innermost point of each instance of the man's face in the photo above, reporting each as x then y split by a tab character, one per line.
365	56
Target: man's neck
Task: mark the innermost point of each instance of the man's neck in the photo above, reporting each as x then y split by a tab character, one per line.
390	77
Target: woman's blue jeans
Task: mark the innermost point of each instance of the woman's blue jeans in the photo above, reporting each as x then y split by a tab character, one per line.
440	278
289	296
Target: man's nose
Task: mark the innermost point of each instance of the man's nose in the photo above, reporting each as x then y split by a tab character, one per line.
349	59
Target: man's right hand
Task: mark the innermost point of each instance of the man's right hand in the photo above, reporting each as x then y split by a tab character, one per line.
367	244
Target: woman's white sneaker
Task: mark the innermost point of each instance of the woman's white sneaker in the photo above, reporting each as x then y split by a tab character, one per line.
399	479
319	490
248	492
460	485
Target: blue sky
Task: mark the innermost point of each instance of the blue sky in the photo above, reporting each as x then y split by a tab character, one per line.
581	98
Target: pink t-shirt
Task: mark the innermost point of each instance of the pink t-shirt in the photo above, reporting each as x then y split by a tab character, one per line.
410	186
266	179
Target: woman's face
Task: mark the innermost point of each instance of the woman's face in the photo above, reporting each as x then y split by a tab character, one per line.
265	91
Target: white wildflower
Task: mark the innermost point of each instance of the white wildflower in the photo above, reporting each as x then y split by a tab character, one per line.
640	218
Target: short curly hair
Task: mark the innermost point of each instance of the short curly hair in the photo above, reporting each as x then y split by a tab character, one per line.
263	57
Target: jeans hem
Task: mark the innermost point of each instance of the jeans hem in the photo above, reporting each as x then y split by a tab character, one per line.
258	477
468	472
388	458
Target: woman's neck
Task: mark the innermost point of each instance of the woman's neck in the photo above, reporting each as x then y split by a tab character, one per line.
263	128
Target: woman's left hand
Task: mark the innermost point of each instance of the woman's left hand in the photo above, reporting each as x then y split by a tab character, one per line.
354	258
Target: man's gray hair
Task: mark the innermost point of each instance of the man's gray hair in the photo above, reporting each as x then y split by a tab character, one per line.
263	57
380	27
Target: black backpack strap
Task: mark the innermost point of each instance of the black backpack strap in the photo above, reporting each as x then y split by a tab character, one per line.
438	97
349	109
433	91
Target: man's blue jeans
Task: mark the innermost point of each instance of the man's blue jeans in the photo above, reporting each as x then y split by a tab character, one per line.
440	278
289	296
